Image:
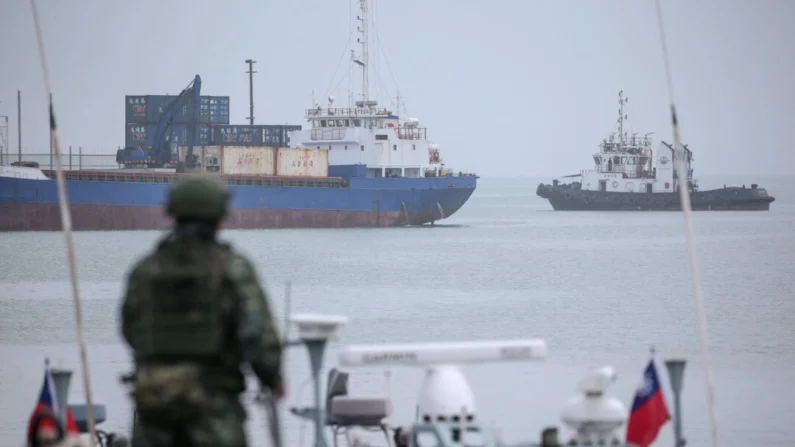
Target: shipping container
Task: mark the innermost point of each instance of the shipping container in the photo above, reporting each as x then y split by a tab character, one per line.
296	162
149	109
209	157
277	135
135	109
144	134
247	160
237	135
214	110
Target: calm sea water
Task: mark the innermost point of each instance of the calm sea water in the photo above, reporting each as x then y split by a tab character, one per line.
599	287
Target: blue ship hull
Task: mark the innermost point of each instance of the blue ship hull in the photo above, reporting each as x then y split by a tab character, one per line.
133	204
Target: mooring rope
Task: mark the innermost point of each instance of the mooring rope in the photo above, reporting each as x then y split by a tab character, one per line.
66	223
684	194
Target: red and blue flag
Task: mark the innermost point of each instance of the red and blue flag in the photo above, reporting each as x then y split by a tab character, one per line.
649	412
48	405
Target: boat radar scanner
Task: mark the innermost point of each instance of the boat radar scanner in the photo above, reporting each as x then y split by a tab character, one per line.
445	394
594	417
317	327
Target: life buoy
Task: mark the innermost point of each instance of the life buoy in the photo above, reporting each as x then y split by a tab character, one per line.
615	184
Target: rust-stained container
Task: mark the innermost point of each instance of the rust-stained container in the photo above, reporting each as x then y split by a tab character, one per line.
299	162
257	160
209	157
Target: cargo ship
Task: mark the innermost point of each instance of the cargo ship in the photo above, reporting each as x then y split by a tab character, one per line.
629	176
359	166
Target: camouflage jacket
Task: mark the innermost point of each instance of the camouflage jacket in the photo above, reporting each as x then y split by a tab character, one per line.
251	337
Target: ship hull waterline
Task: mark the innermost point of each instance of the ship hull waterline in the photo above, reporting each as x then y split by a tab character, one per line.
728	199
31	205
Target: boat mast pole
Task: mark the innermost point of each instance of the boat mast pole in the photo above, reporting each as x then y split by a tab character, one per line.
621	117
66	224
365	51
684	194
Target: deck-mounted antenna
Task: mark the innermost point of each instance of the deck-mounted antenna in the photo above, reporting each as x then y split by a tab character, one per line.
19	125
365	53
314	330
397	109
251	89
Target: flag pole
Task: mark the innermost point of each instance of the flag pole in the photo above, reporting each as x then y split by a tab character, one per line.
66	224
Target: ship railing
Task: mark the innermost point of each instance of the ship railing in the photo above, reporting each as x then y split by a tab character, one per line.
121	176
446	173
613	143
412	133
346	111
74	159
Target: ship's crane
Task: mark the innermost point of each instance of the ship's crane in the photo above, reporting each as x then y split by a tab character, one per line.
159	155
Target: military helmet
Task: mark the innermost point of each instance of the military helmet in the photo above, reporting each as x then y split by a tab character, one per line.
200	197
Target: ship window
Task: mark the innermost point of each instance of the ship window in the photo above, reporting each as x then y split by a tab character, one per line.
322	123
357	122
331	123
616	159
394	147
414	147
346	147
381	137
597	160
347	123
362	147
623	160
329	147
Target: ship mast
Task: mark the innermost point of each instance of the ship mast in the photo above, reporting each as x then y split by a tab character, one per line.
364	41
621	117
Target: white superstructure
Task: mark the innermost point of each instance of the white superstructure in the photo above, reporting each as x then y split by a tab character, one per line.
369	134
628	163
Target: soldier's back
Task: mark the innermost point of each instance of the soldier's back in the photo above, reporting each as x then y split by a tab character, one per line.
187	400
221	425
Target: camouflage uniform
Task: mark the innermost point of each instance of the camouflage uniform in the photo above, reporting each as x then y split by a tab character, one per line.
193	312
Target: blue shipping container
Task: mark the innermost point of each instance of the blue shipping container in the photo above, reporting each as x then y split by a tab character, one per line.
149	109
144	134
237	135
277	135
214	110
135	109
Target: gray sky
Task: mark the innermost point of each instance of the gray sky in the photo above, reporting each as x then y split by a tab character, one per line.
518	87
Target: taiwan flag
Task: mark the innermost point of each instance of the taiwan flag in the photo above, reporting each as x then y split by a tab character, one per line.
649	412
48	406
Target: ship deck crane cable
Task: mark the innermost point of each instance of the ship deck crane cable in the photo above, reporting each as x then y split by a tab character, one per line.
684	193
66	224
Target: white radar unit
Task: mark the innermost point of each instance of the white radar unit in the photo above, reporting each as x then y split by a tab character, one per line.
445	393
593	416
316	327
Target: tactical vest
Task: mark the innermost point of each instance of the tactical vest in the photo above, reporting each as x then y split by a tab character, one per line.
181	304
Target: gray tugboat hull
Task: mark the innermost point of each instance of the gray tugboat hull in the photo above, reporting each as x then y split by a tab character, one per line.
563	198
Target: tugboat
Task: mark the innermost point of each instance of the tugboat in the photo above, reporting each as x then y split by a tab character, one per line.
624	179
